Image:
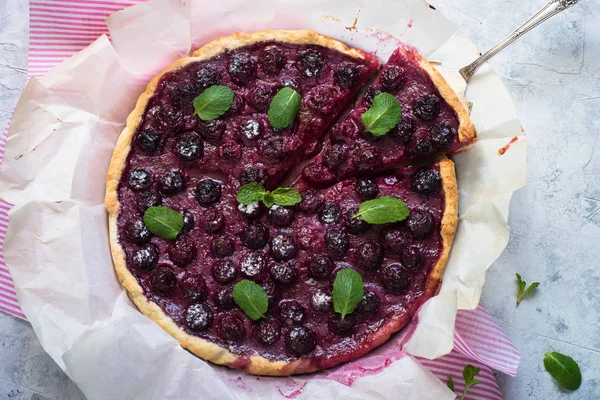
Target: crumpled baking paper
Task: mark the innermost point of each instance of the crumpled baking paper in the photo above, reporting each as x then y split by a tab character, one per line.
59	147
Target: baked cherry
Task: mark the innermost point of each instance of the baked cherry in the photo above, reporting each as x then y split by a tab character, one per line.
149	198
251	211
230	152
273	147
329	213
315	172
419	224
392	77
442	135
208	192
420	146
253	265
139	179
164	281
395	279
310	62
341	326
212	131
300	341
283	274
311	201
189	147
242	68
198	316
212	221
193	287
321	302
320	266
272	60
207	77
272	292
223	298
172	182
149	142
369	255
355	225
366	189
369	305
183	95
404	131
343	131
394	240
261	97
222	246
411	257
368	160
252	173
188	221
183	252
283	247
146	257
427	107
166	118
336	242
427	181
224	271
137	232
335	155
255	236
347	75
291	312
267	332
324	98
231	329
370	94
281	216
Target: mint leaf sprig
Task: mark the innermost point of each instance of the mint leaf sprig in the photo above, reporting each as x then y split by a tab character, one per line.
522	291
468	373
563	369
163	222
254	192
284	107
348	291
213	102
383	116
251	298
383	210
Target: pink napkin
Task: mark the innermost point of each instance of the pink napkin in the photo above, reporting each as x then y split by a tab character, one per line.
60	28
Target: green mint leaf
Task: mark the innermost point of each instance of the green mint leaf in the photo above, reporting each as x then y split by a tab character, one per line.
268	199
213	102
383	116
284	107
250	193
450	383
564	369
348	290
286	196
521	291
383	210
163	222
469	373
251	298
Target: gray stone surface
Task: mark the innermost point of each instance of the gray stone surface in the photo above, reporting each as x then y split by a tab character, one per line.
553	76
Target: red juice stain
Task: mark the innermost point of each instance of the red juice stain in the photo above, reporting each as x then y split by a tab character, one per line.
294	393
410	23
503	150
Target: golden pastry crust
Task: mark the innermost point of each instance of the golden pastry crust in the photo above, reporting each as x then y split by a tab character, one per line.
202	348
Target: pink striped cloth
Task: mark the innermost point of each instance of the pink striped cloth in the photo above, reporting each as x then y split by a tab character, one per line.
60	28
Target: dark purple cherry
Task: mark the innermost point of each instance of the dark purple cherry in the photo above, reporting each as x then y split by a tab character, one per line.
267	331
321	302
395	240
137	232
172	182
311	201
212	131
420	146
368	160
183	95
320	266
212	221
411	257
419	224
224	271
164	281
336	242
341	326
149	142
324	98
224	298
281	216
347	75
427	181
355	225
252	173
193	287
261	97
272	60
273	147
231	329
208	192
230	152
310	62
370	94
404	131
223	246
335	155
198	316
242	68
369	255
146	257
272	292
189	147
188	221
395	279
300	341
369	305
183	252
427	107
283	247
207	77
366	189
149	198
253	265
139	179
255	236
291	312
392	77
251	211
283	274
329	213
442	135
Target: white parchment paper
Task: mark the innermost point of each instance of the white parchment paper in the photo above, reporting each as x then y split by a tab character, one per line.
59	147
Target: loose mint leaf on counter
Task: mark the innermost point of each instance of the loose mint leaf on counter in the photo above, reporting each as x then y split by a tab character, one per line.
564	369
521	290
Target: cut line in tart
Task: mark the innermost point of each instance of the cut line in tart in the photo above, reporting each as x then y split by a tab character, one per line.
168	155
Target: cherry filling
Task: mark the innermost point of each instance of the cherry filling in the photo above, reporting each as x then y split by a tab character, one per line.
196	167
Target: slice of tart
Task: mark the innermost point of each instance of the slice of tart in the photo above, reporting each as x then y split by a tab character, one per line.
433	122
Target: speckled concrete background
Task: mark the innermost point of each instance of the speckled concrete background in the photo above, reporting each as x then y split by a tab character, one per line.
553	74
